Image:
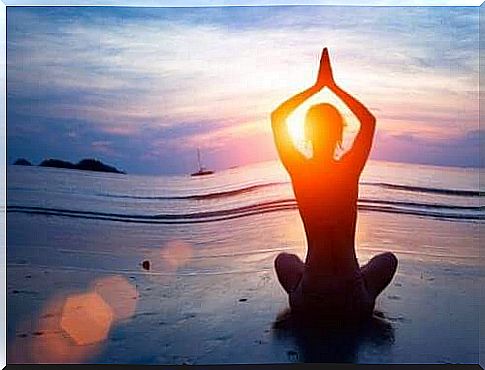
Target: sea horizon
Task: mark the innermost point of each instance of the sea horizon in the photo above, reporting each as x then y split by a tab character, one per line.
220	169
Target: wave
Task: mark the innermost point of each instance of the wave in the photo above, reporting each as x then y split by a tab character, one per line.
252	188
411	208
420	189
221	194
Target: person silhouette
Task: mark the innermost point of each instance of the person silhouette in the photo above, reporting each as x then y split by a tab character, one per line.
330	283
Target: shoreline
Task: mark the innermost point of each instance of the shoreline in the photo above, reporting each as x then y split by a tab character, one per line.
203	306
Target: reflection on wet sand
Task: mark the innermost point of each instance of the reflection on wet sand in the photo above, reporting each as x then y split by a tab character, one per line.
73	328
333	344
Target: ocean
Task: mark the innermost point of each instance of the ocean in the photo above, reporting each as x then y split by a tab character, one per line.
421	190
206	211
210	294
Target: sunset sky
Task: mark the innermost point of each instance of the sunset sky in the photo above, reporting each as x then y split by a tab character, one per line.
142	88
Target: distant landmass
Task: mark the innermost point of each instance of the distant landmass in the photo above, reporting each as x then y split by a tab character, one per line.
85	164
57	163
22	162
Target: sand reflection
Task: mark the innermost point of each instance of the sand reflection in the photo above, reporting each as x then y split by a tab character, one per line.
73	328
334	343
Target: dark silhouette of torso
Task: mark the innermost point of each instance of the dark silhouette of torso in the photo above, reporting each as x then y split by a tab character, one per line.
327	200
331	282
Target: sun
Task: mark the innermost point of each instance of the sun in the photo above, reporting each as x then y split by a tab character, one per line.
296	121
295	124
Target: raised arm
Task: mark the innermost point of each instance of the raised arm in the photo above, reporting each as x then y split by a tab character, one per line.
289	154
358	154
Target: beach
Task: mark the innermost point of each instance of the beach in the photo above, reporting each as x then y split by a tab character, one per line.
77	290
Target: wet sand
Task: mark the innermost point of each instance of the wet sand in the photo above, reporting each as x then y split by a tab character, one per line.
76	292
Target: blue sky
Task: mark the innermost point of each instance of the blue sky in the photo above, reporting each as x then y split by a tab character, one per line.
142	88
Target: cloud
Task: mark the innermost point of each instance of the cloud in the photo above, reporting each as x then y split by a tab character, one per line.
176	78
461	150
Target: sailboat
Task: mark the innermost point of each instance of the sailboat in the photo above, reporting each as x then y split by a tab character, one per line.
202	170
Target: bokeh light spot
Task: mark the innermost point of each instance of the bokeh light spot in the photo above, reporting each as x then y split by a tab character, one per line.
86	318
119	294
177	253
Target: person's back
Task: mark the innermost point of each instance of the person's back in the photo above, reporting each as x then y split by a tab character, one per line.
330	282
327	201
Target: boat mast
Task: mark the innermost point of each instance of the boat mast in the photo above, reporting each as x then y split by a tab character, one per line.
198	159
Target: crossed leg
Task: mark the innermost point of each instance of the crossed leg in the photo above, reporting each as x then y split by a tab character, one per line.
289	269
378	272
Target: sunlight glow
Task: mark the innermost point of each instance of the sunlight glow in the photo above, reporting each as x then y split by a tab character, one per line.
177	253
86	318
49	342
119	294
296	121
73	328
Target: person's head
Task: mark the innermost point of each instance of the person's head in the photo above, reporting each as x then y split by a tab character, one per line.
324	128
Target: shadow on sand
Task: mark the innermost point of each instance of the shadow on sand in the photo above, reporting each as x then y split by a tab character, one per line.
331	342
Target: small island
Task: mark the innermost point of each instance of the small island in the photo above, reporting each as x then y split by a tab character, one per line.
85	165
22	162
